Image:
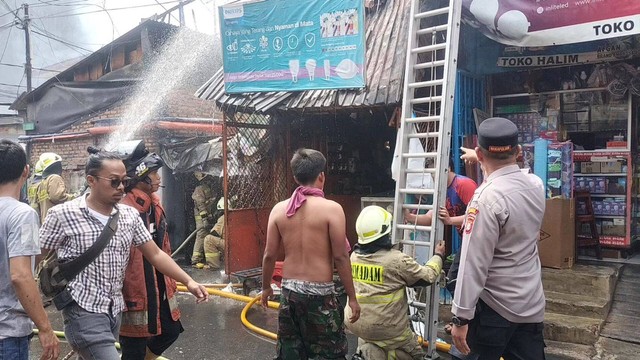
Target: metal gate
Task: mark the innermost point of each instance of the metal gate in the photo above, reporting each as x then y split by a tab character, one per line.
254	164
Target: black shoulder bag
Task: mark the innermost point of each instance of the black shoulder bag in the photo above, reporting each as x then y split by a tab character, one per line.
54	275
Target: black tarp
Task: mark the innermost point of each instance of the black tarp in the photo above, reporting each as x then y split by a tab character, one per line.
68	103
193	155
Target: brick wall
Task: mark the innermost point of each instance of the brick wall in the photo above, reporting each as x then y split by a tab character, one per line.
73	151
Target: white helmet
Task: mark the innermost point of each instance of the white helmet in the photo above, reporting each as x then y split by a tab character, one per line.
49	159
373	223
39	168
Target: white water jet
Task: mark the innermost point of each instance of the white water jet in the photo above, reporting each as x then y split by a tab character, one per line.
179	64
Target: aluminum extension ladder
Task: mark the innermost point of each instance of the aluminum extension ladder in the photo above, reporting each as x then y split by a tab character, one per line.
427	113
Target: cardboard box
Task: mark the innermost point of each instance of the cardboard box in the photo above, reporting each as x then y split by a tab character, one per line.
614	230
609	167
588	167
557	234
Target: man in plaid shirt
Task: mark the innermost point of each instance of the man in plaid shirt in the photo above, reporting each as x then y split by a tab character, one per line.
92	320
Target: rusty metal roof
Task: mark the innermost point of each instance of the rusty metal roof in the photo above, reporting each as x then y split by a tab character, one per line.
386	41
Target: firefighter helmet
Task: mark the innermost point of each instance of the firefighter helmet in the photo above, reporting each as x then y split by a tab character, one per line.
373	223
39	168
138	161
48	159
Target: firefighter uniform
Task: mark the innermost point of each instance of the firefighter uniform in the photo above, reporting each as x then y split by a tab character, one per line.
51	190
203	199
32	188
380	278
214	242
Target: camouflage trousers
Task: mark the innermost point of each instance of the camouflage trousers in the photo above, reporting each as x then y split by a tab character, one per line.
310	327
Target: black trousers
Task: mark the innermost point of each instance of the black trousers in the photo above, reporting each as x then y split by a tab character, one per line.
491	336
135	348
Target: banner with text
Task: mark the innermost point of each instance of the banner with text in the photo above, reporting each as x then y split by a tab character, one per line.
292	45
532	23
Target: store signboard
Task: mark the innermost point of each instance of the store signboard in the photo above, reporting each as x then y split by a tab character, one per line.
531	23
292	45
614	52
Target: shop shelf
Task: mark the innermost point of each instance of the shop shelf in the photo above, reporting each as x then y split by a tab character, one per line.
609	195
610	216
599	174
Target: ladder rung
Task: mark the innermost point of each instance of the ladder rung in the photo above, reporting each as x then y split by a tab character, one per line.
427	65
422	84
423	119
419	155
426	100
417	304
417	206
433	29
417	191
430	13
424	49
415	243
433	134
420	171
413	227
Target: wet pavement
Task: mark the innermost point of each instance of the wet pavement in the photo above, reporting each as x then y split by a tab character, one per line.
213	330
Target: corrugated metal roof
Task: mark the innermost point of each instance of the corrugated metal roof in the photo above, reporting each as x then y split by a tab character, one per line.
386	39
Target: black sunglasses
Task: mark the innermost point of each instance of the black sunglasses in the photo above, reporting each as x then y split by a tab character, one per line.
115	183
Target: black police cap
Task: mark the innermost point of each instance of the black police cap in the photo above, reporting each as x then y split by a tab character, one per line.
498	135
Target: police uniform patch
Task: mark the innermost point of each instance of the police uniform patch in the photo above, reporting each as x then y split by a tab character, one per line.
472	212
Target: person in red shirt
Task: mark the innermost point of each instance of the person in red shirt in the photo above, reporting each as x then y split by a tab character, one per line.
460	191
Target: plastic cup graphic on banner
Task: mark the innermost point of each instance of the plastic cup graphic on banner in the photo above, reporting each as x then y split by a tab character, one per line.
327	69
278	45
311	68
294	67
553	22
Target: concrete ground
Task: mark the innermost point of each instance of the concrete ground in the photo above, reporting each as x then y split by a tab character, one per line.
214	331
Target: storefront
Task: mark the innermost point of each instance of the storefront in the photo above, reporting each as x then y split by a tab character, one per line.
583	101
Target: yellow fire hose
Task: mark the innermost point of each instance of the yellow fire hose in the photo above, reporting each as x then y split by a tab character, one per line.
440	346
212	290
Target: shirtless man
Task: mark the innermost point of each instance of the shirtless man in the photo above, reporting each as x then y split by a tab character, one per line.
311	231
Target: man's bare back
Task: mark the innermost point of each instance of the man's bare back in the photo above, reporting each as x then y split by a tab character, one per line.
307	238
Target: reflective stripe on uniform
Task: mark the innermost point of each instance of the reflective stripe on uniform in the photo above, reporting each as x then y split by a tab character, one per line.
434	265
173	303
381	299
136	318
366	273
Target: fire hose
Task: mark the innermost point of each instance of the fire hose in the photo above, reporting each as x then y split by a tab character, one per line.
440	346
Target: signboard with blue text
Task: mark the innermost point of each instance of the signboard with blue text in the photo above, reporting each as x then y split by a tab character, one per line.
293	45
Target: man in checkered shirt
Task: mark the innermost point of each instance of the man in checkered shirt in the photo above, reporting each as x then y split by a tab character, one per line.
92	320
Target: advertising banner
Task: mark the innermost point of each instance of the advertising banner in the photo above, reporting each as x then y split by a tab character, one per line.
292	45
532	23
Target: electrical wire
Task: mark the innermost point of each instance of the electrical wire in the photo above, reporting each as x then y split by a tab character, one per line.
6	44
73	46
165	9
12	85
66	13
14	12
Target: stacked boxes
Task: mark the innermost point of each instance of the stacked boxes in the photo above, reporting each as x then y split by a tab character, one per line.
595	184
609	206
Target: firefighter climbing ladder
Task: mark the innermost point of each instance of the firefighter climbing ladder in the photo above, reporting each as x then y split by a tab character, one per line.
427	111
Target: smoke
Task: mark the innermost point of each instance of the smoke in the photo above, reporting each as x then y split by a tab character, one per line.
88	32
44	52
